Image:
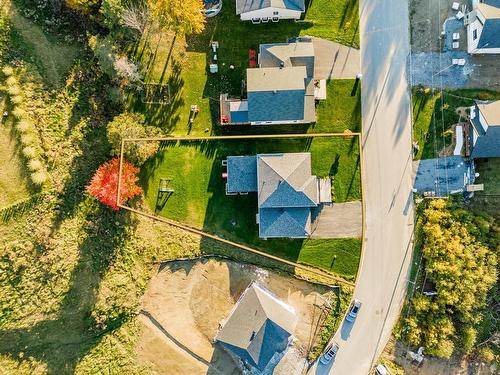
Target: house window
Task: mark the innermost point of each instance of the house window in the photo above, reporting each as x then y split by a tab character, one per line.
474	34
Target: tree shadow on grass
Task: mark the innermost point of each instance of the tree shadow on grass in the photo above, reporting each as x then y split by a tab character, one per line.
349	11
62	342
235	38
165	116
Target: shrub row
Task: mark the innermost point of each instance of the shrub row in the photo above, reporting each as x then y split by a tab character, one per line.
25	129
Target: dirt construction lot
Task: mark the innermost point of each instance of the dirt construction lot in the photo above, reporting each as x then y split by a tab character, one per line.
186	301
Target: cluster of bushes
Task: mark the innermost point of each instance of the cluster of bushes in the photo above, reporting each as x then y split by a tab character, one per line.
459	251
131	125
116	65
25	129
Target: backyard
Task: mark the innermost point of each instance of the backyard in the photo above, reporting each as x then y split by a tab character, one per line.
179	64
489	174
72	270
434	113
195	169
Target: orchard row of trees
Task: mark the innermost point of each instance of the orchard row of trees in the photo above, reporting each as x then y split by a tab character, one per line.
460	252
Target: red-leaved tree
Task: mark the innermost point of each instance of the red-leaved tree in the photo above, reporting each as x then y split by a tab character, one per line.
104	184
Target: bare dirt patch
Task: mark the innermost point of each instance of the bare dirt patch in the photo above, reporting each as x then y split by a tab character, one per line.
427	17
187	300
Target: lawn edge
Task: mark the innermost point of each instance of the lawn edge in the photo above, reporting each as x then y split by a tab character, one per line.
302	266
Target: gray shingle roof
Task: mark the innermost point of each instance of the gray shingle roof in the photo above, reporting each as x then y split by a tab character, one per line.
284	222
276	94
280	94
299	53
285	180
488	143
281	89
490	36
276	106
258	327
495	3
242	174
490	111
271	79
244	6
287	190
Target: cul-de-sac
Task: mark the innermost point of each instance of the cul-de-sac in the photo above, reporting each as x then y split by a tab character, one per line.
250	187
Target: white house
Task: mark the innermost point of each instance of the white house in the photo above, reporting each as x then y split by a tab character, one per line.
483	27
484	130
282	90
264	11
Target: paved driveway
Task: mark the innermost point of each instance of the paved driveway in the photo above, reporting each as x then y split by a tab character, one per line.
335	61
444	176
340	220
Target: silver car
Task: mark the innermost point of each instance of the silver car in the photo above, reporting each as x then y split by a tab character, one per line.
330	353
353	312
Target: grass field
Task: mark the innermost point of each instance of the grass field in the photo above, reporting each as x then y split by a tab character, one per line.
170	59
199	200
434	114
489	174
13	180
72	270
52	58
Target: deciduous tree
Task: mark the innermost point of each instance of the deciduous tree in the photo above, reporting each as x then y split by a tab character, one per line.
83	6
462	268
131	125
104	184
184	16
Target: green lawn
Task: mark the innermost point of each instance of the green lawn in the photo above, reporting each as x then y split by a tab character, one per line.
73	270
181	63
199	199
489	174
434	114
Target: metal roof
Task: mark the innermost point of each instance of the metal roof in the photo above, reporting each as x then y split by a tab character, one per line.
244	6
258	327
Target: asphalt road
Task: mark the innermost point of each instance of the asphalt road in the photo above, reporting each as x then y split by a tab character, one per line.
387	181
